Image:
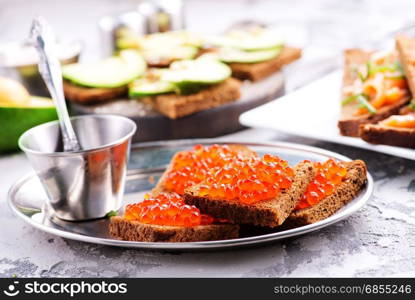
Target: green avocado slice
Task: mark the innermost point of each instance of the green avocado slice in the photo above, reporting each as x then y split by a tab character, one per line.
16	119
204	70
112	72
248	39
146	87
169	53
231	55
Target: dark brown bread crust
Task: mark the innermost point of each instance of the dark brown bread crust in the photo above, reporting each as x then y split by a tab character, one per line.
176	106
270	213
351	125
406	50
348	123
160	187
406	110
260	70
380	134
87	95
354	181
123	229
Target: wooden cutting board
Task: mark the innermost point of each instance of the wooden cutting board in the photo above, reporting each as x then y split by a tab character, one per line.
152	126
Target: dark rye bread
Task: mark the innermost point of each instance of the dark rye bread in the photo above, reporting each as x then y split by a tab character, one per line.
160	187
385	135
407	110
353	183
123	229
349	124
260	70
176	106
87	95
270	213
406	50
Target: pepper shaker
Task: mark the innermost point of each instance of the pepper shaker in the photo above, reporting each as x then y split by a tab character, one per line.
150	17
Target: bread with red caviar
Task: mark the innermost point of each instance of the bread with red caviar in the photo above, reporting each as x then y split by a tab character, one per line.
166	218
353	182
349	122
268	213
260	70
176	106
161	184
124	229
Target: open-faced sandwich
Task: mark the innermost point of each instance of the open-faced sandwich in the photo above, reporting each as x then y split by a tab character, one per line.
103	80
334	185
253	53
399	128
166	218
206	192
187	87
161	49
374	88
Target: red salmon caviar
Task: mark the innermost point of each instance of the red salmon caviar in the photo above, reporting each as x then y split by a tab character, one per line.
190	167
329	175
166	209
248	180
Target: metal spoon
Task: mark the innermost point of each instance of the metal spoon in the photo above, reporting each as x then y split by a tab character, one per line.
50	69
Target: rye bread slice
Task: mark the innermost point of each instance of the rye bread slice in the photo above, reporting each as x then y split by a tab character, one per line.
260	70
349	124
351	186
176	106
406	50
160	187
385	135
123	229
269	213
87	95
406	110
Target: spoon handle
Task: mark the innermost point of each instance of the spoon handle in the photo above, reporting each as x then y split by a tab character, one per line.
50	69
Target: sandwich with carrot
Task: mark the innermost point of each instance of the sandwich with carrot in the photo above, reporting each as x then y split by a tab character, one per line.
399	128
374	88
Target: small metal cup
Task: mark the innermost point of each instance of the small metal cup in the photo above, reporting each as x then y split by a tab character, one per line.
85	184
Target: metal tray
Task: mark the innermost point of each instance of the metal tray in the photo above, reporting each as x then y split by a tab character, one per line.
147	162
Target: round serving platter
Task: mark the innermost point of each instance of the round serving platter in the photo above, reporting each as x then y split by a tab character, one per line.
27	198
217	121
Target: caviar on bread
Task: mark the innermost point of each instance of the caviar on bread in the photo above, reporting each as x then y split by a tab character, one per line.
259	190
334	185
166	218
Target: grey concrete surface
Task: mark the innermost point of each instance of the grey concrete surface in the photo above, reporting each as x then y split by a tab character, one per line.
379	240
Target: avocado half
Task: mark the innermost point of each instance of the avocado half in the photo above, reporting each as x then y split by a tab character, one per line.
15	120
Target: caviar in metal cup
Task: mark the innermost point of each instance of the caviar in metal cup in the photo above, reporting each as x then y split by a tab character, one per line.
86	184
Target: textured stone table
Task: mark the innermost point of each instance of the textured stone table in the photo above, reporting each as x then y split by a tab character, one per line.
379	240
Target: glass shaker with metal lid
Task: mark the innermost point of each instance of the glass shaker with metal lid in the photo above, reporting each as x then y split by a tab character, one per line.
150	17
